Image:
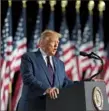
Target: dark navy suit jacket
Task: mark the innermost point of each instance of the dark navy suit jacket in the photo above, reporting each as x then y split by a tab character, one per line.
36	79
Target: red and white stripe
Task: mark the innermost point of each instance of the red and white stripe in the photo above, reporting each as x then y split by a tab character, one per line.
67	58
106	77
17	92
86	63
9	70
22	48
5	80
76	73
101	52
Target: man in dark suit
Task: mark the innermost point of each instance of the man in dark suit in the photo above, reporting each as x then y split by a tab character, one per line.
43	74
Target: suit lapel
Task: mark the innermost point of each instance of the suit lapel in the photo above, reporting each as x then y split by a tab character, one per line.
43	65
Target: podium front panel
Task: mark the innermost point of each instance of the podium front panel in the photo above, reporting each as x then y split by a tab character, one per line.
69	99
78	97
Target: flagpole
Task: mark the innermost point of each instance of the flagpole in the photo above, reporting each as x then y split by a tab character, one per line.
52	4
41	2
101	7
91	6
50	24
10	83
78	43
64	4
24	3
77	6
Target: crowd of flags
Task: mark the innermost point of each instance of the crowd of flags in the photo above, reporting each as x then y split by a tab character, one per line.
6	52
12	49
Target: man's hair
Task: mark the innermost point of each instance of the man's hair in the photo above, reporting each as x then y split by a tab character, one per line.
48	33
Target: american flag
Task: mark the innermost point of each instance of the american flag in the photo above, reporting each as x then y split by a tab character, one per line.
87	46
76	43
20	40
106	77
6	52
106	72
19	43
33	44
65	48
99	45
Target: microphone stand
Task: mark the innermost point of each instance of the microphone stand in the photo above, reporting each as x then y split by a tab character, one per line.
99	71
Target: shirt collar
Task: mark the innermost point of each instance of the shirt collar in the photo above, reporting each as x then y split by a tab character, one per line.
44	54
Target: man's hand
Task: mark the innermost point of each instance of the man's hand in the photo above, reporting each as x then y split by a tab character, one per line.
52	92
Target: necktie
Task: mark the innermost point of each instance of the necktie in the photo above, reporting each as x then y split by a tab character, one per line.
50	69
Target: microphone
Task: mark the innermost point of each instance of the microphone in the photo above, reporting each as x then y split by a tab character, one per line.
88	55
95	56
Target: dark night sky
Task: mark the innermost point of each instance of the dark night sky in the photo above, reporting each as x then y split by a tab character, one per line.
32	8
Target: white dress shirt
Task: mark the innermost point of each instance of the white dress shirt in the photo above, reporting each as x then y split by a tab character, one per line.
44	55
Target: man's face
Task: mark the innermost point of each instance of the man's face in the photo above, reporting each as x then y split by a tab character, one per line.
50	45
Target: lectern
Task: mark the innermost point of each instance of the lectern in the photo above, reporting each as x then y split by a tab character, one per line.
82	96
